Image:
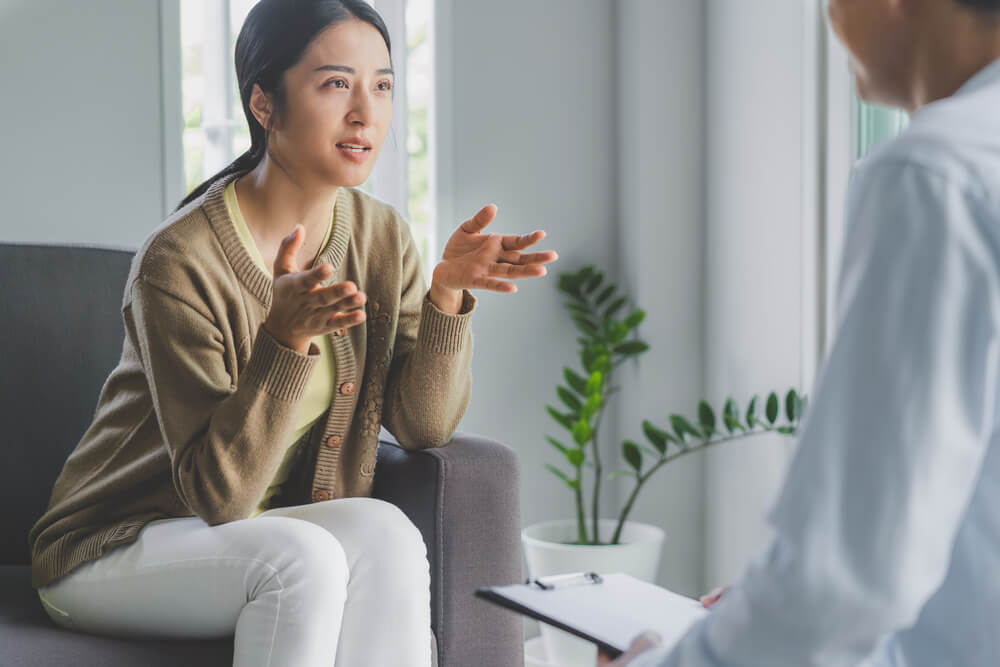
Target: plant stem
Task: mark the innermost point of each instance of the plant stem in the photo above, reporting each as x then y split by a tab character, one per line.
581	523
598	469
642	479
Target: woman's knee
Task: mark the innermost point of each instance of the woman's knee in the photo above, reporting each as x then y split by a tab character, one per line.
389	532
303	550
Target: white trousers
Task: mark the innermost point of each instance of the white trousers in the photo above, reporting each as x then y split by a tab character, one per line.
343	582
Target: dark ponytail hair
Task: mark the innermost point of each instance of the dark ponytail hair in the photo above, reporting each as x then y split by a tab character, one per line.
987	5
272	40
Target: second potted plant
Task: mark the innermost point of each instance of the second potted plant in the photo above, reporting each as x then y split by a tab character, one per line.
588	542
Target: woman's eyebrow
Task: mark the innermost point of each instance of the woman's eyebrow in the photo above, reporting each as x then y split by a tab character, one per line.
351	70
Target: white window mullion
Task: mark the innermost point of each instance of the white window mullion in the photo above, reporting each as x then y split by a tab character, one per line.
390	182
217	122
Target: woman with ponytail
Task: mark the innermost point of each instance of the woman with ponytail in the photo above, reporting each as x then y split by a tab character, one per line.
274	322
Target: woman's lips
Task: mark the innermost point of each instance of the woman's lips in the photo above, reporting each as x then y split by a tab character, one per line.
355	156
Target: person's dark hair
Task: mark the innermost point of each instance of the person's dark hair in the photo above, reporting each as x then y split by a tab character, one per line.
273	39
987	5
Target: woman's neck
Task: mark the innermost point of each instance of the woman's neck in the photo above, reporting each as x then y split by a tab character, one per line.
272	201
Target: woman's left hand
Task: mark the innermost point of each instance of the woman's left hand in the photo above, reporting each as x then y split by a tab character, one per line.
473	260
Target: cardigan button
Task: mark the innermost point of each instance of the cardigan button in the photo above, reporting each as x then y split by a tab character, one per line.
321	495
347	388
334	441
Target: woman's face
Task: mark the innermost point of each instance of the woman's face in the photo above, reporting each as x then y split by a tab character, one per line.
339	92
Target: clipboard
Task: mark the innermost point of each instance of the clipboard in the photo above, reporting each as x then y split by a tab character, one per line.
608	610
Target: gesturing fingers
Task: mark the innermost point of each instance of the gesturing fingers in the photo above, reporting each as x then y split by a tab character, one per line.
500	270
494	285
285	261
522	242
478	222
306	281
511	257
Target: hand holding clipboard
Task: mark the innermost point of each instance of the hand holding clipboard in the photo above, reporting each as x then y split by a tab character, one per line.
609	610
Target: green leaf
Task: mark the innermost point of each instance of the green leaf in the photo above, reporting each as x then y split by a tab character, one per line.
616	331
656	436
575	457
594	282
635	318
582	432
564	420
578	384
706	417
605	294
614	307
569	398
683	427
632	454
732	423
786	430
595	383
555	443
602	363
577	308
792	405
731	416
752	412
772	407
631	348
591	407
558	473
567	283
587	326
649	450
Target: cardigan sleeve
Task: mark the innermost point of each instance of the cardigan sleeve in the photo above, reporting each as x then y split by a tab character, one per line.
429	381
221	436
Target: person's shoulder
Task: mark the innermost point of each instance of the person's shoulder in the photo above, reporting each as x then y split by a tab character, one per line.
945	142
178	255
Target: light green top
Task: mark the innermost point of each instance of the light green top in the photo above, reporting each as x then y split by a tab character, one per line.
319	392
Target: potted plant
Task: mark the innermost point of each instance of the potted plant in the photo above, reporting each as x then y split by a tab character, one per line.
588	541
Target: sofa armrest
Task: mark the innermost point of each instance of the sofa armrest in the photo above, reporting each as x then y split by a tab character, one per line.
465	499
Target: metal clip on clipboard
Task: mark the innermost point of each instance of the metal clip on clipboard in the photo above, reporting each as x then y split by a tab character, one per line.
564	580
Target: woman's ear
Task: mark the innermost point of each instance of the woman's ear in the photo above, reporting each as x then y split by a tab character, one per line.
260	105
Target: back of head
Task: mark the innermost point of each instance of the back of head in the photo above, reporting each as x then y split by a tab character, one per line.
985	5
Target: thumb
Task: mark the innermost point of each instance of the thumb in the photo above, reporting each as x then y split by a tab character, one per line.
285	261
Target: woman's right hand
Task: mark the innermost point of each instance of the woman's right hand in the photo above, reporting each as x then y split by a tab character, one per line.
300	308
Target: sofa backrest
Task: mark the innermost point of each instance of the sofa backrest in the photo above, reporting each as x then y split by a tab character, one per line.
61	334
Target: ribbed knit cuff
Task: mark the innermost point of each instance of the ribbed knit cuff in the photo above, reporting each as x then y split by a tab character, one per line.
279	370
442	332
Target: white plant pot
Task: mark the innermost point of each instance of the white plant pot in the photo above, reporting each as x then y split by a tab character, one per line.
549	549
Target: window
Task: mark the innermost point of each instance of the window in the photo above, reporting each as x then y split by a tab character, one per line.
215	129
875	125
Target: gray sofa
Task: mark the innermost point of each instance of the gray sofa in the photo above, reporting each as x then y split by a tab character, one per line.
60	335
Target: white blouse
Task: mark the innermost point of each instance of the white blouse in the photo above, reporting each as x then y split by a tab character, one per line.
886	547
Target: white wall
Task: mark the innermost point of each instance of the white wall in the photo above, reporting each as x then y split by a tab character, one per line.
757	119
661	90
83	155
533	128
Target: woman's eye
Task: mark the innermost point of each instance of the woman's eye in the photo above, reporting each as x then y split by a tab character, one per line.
388	85
336	81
